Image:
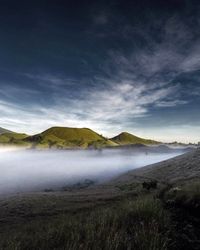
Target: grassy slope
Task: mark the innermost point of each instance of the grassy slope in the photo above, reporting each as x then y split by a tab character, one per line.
13	138
126	139
3	130
117	226
181	168
100	218
63	137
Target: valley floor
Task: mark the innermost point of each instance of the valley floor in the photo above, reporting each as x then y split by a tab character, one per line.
120	214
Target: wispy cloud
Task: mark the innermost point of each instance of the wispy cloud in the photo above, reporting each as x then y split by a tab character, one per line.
174	48
118	104
129	85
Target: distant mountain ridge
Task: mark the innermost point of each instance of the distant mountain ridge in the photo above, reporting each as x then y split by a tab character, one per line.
67	138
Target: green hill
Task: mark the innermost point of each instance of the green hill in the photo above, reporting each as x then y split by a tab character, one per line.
127	139
13	138
3	130
64	137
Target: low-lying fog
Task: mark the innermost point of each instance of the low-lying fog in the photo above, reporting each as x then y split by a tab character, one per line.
38	170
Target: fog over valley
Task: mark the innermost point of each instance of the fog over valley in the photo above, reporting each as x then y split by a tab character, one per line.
34	170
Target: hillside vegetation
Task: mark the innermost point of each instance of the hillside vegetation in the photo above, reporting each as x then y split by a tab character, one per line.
3	130
163	218
126	139
12	138
65	138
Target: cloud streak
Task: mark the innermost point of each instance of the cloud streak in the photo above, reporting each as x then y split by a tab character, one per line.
141	70
118	104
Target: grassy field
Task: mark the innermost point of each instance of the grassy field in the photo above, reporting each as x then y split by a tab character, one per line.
121	214
142	224
162	218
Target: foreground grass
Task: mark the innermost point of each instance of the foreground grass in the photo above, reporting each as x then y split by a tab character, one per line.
150	221
183	203
140	224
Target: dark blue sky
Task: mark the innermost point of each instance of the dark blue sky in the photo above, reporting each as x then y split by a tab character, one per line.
109	65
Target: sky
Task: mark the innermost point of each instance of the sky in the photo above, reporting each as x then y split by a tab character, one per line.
110	65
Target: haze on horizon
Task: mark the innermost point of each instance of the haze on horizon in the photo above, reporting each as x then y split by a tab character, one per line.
32	170
111	66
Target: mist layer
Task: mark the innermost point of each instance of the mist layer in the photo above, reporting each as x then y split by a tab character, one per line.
27	170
